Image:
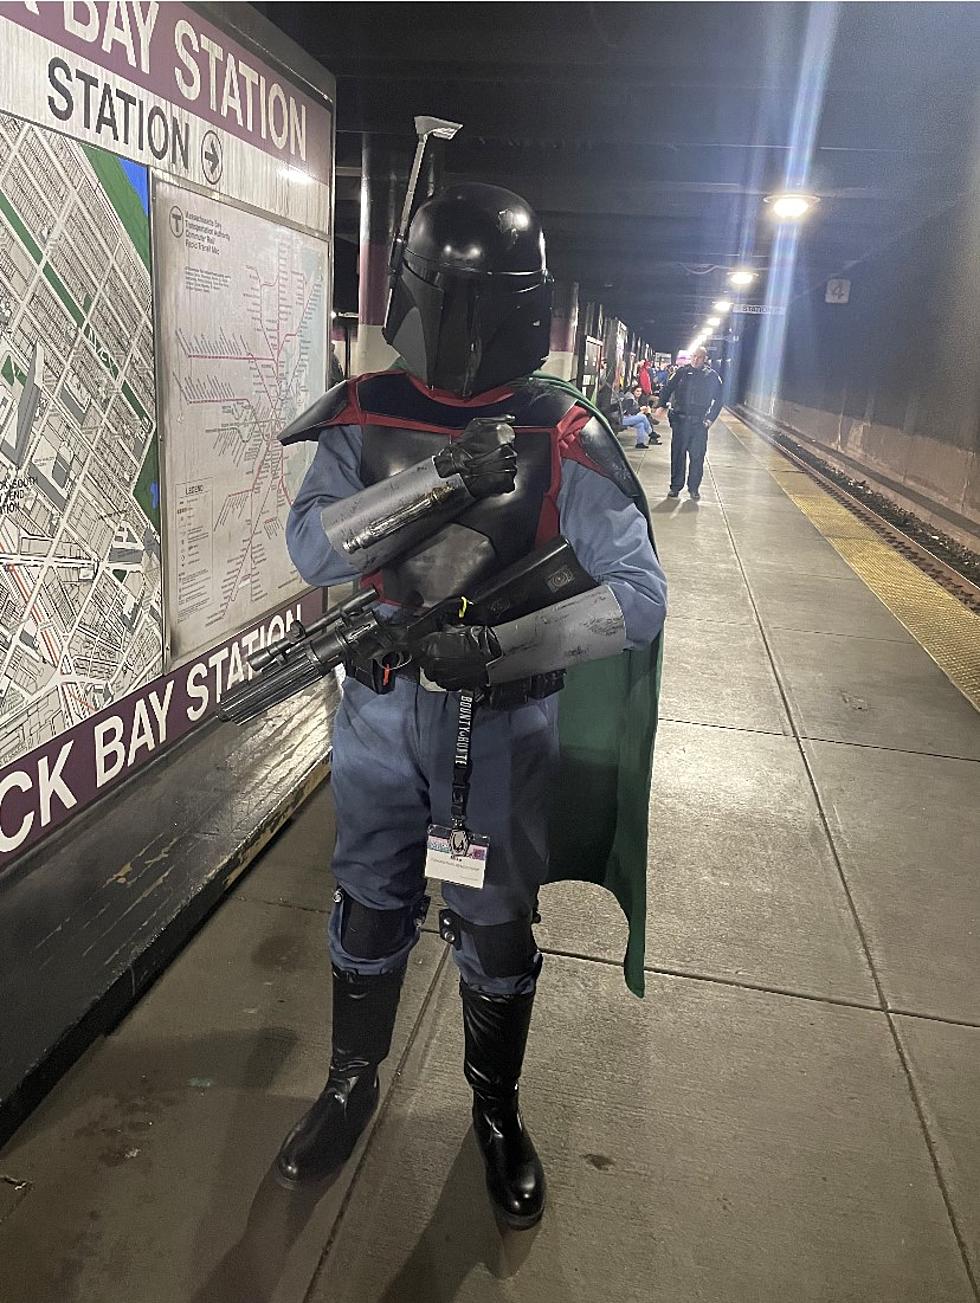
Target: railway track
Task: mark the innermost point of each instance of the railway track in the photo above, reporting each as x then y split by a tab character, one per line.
836	482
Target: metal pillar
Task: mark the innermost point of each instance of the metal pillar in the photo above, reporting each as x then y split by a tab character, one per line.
562	360
383	177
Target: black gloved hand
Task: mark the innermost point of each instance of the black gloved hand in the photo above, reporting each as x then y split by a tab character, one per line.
458	658
483	456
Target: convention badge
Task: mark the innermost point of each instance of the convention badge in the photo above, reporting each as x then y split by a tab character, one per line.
456	855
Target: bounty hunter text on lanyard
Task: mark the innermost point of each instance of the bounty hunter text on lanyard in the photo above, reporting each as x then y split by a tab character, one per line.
462	763
455	854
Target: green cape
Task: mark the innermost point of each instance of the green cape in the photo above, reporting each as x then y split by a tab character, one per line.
607	719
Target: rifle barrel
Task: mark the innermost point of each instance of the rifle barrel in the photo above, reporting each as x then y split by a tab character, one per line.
284	648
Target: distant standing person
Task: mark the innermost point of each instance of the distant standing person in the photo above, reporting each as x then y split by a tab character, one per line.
694	395
644	379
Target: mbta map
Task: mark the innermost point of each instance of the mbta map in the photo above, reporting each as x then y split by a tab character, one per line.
243	347
80	573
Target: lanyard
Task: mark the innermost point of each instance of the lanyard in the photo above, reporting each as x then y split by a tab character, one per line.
461	758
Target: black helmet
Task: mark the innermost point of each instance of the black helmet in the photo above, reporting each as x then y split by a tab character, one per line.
471	304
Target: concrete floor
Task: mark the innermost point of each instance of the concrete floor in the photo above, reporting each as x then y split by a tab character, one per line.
789	1116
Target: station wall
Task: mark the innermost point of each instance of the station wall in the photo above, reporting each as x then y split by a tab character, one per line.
889	383
166	196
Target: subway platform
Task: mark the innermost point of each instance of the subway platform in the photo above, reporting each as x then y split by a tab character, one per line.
788	1117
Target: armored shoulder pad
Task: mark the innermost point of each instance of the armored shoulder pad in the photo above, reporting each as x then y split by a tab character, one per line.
604	450
329	409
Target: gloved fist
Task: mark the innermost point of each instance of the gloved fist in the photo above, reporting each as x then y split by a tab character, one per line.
458	658
483	456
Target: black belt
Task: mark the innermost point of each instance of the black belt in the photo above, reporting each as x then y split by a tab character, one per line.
502	696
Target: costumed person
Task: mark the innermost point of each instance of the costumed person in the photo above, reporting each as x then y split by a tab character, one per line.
469	317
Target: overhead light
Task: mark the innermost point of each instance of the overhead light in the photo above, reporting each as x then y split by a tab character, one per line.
743	276
791	206
722	305
714	321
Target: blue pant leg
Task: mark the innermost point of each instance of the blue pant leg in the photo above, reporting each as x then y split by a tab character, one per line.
381	797
640	424
678	452
514	768
697	448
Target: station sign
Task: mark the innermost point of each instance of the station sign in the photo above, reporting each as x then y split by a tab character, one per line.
159	85
760	309
68	772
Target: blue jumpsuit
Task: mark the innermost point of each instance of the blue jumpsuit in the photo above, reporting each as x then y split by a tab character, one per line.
392	762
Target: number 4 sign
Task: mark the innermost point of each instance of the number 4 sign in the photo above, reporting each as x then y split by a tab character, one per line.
838	291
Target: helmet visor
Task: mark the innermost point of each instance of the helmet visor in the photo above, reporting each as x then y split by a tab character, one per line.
467	334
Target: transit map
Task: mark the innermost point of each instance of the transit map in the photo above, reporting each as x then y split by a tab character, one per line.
80	575
243	350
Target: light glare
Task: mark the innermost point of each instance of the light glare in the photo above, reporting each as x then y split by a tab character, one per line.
295	174
791	206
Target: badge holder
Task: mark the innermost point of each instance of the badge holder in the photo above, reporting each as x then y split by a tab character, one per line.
455	854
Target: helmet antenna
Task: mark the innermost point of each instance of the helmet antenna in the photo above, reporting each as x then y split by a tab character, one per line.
424	128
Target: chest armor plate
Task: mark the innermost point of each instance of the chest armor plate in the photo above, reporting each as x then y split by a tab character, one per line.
490	535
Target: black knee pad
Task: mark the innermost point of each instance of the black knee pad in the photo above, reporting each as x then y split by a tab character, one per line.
367	933
503	949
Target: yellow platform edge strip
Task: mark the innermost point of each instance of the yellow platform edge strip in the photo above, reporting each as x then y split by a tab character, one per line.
941	625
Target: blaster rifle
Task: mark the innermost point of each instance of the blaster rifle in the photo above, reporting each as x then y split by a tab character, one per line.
548	575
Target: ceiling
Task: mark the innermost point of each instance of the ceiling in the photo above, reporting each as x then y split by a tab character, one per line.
646	135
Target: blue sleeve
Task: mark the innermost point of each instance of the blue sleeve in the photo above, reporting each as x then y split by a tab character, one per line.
334	474
716	403
609	536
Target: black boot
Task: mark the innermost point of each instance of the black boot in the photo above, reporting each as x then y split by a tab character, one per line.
495	1028
364	1010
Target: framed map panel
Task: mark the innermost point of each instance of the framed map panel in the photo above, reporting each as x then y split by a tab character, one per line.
80	574
242	347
